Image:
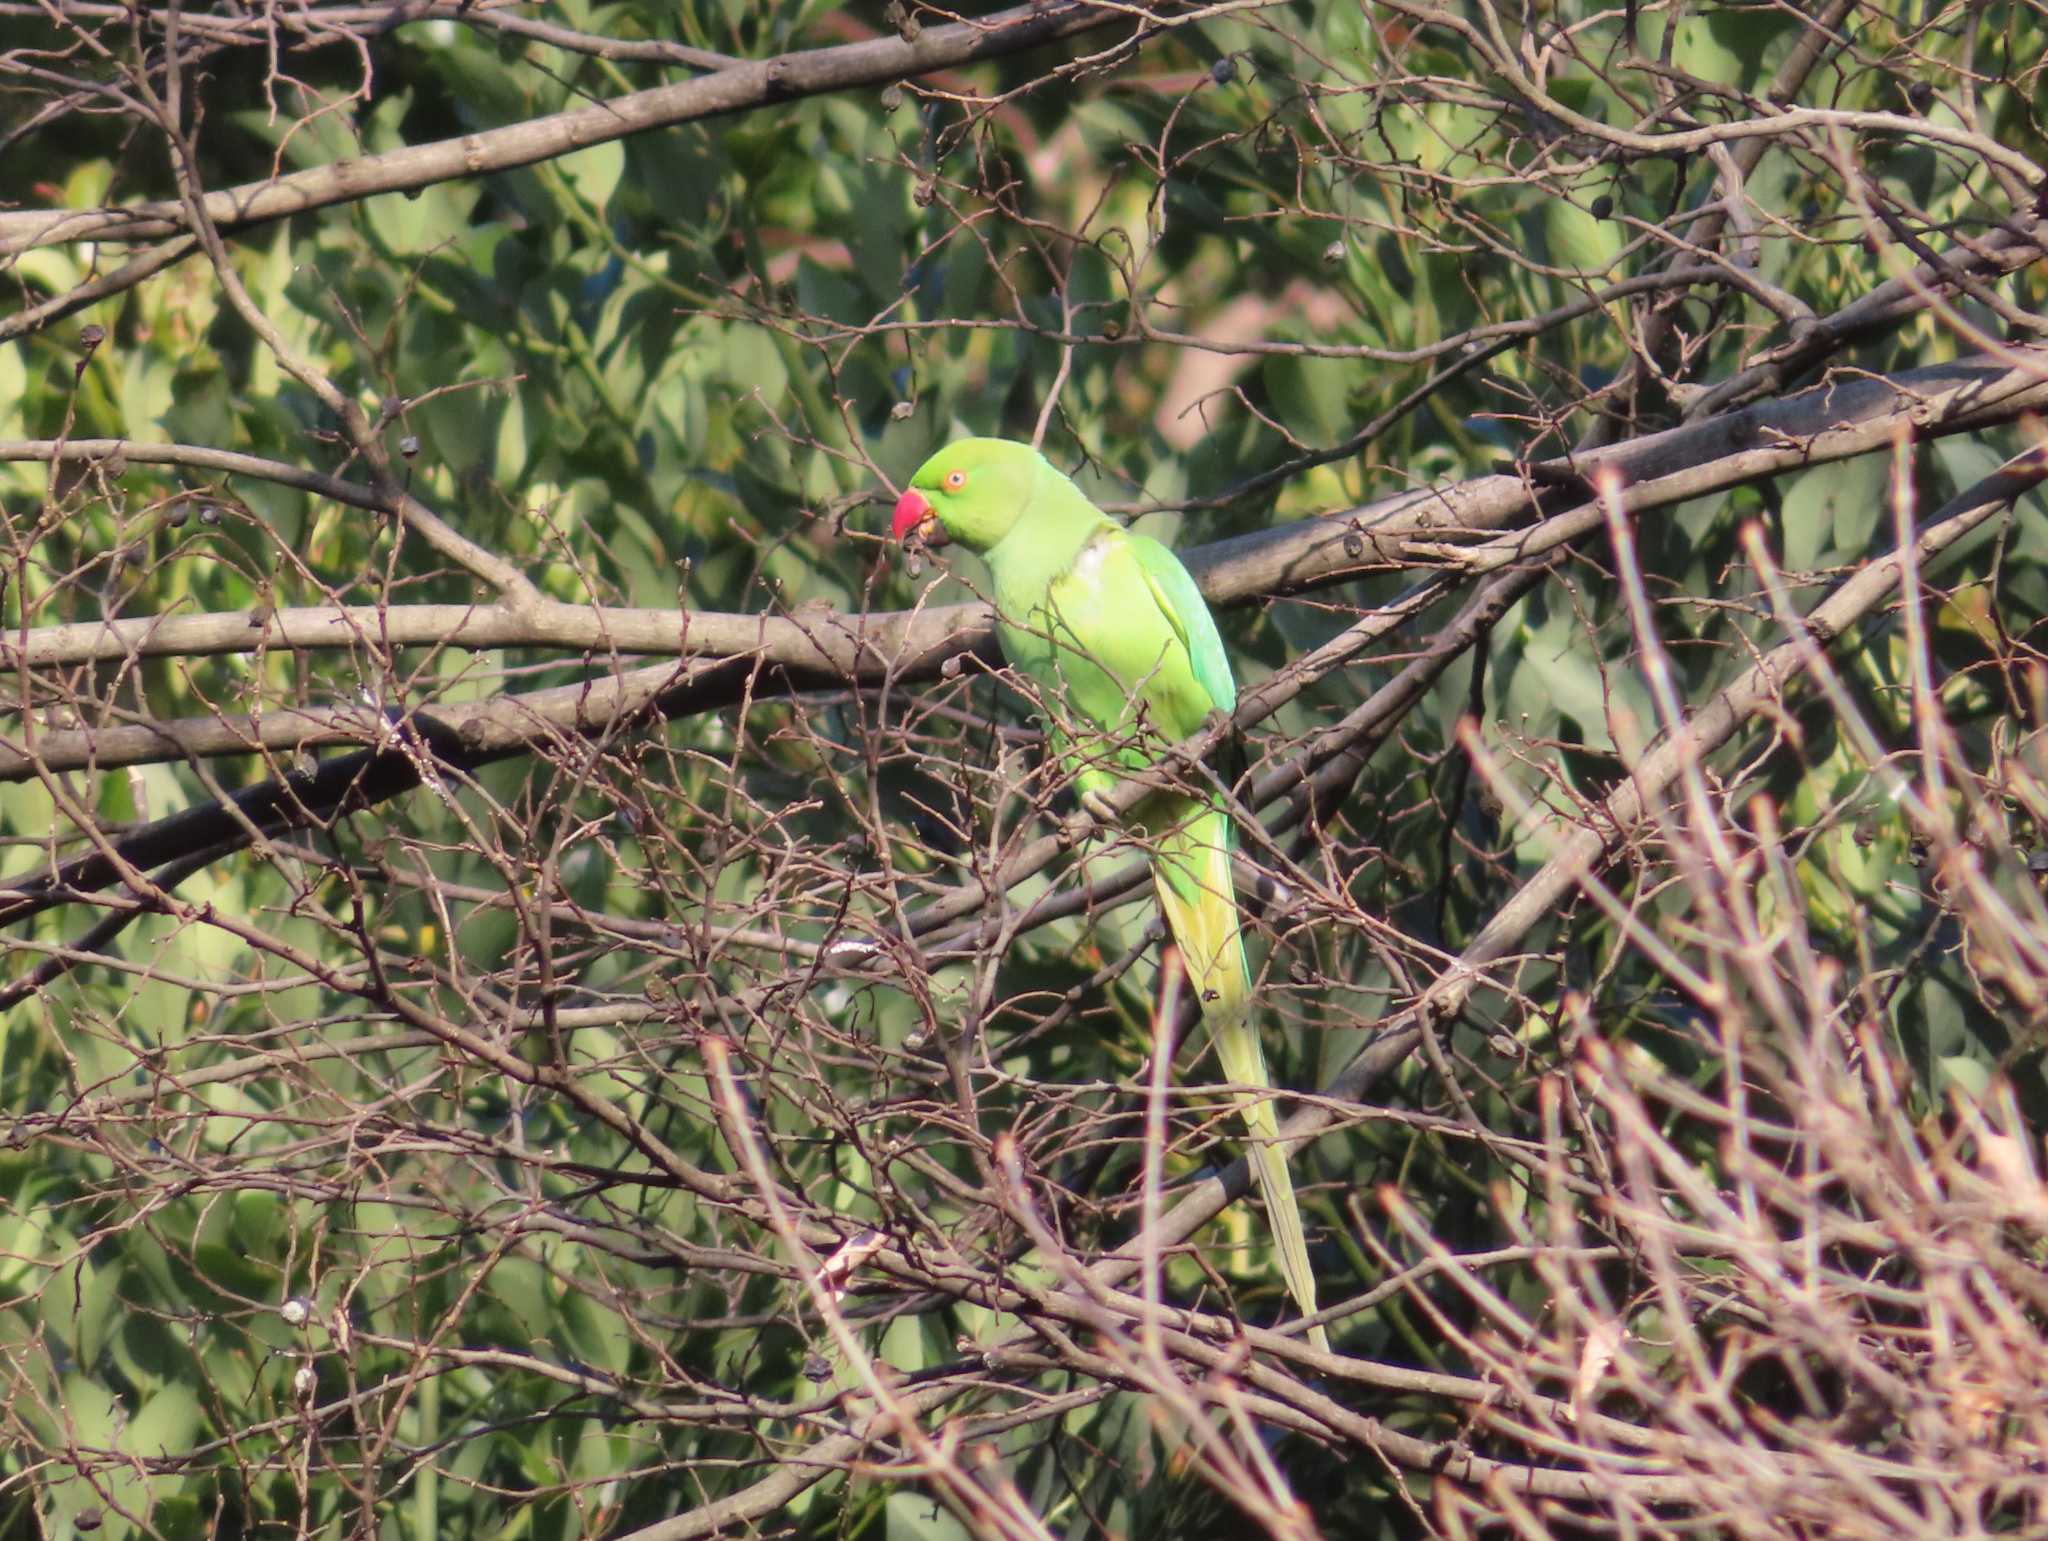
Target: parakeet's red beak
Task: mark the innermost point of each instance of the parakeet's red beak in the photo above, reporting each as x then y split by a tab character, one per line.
915	516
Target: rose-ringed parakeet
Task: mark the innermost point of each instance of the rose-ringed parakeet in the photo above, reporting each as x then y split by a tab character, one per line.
1121	644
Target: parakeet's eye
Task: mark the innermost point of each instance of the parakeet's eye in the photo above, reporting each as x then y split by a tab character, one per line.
955	480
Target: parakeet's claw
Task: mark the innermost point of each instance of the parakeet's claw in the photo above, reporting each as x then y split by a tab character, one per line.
1096	804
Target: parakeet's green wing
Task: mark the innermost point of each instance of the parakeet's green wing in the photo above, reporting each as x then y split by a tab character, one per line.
1182	602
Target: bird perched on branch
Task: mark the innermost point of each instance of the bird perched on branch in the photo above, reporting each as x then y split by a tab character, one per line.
1126	655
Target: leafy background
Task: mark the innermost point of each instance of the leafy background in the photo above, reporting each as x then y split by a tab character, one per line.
380	1181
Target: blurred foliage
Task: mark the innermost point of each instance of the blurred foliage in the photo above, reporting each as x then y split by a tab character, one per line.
687	369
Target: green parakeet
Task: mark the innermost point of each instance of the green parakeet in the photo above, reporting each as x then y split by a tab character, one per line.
1122	646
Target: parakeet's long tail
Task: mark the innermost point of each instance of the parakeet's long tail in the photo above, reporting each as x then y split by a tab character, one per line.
1191	872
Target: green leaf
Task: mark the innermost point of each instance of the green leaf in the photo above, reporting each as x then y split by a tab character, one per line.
595	172
1964	1074
1834	508
754	363
426	220
80	1304
1575	239
916	1516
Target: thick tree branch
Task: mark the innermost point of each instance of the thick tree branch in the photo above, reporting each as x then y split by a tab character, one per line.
727	655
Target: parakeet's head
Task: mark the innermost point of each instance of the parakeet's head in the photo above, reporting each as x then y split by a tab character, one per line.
973	491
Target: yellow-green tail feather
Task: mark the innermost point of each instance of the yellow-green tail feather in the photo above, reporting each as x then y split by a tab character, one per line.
1191	873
